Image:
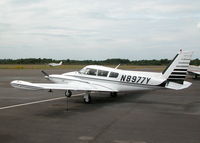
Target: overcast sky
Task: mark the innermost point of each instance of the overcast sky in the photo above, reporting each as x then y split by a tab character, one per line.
99	29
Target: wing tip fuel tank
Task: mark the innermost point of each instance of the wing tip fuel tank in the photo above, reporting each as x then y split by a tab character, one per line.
24	85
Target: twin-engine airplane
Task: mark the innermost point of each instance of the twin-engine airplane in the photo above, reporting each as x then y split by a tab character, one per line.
105	79
55	64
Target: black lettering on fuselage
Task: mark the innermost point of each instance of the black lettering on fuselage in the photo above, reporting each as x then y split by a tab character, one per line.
128	79
148	79
123	78
135	79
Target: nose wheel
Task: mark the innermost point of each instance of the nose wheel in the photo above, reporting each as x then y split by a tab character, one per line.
87	98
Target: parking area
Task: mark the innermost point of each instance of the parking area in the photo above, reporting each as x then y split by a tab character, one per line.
156	116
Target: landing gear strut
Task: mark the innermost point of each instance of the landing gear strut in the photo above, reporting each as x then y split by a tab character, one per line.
113	94
68	93
87	98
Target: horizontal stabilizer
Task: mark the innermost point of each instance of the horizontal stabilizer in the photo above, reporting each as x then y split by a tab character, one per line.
177	86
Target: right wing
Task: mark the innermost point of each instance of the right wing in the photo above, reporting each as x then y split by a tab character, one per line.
73	85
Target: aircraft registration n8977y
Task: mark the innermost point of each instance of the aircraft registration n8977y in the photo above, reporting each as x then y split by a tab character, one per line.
105	79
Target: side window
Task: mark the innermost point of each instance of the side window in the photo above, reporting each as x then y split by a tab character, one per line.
102	73
91	71
113	74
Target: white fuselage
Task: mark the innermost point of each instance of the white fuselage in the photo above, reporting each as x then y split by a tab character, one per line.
123	81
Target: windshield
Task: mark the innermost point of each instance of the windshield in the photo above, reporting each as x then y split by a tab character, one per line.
82	71
91	71
88	71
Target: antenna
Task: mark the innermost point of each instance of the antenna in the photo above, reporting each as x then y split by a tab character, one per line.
117	66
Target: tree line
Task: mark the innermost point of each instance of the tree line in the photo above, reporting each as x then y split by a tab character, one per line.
88	62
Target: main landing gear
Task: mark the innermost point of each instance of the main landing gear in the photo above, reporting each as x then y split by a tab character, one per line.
195	76
87	98
68	93
113	94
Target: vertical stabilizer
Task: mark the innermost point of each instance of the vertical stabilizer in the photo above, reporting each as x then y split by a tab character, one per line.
177	70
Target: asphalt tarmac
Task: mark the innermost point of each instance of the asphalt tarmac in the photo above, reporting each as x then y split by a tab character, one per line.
156	116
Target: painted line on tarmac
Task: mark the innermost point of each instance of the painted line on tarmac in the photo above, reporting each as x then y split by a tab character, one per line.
36	102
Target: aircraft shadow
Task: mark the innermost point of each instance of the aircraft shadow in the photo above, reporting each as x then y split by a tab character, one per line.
76	105
105	98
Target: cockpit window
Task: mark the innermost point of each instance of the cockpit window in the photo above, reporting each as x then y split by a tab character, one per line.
89	71
113	74
102	73
82	71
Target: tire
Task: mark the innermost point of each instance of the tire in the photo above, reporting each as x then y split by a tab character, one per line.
68	93
87	100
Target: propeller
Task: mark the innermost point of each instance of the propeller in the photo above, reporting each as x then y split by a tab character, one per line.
46	75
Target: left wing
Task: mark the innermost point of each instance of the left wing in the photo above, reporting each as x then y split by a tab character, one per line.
73	85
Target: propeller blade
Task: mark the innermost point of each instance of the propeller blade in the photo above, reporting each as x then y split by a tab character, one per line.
44	73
